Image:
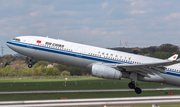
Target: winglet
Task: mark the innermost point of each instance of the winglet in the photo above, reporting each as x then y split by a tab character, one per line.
173	58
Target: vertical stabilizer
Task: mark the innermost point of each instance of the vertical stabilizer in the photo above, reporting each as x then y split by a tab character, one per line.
173	58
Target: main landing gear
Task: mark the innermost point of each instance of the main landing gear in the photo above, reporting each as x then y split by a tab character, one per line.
30	63
133	84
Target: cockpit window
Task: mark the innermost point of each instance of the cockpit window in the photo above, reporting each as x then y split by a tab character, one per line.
16	39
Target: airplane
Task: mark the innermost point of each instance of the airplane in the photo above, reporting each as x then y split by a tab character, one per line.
103	63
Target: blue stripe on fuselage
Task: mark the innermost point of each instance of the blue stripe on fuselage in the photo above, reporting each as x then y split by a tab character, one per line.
65	52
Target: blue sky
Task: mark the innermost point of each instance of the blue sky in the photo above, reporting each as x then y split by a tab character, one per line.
94	22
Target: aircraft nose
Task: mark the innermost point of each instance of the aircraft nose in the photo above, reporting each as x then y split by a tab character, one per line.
8	44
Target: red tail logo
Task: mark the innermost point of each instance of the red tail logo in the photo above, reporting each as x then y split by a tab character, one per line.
174	57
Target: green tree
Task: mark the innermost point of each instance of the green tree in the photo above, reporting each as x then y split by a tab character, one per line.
1	71
53	71
19	72
161	55
168	48
8	71
40	63
62	67
38	71
19	64
28	72
65	73
19	58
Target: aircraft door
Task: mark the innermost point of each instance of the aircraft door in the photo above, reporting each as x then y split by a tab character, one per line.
30	43
79	50
74	48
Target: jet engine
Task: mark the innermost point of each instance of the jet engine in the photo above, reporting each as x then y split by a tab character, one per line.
103	71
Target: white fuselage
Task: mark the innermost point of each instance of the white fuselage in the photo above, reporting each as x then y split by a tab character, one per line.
74	54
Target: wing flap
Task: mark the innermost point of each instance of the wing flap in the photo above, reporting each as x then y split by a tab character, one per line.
159	69
144	72
150	70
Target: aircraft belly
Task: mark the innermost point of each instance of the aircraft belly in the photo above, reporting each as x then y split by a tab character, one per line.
22	50
151	78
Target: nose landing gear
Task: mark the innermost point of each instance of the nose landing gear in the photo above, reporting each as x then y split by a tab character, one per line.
30	63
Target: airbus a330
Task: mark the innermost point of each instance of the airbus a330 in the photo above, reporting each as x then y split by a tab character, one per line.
104	63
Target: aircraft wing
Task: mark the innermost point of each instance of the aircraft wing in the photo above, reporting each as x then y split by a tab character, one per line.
148	68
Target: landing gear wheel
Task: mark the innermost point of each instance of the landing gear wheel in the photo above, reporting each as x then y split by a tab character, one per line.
131	85
30	65
138	90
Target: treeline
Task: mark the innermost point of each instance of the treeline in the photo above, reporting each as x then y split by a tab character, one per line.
163	51
17	66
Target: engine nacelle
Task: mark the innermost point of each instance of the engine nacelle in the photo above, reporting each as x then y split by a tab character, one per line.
105	72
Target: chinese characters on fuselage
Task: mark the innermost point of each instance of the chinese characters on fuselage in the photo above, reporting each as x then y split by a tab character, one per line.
54	44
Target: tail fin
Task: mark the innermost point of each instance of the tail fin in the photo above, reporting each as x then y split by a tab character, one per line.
173	58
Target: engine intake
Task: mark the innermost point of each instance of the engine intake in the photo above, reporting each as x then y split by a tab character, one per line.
103	71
